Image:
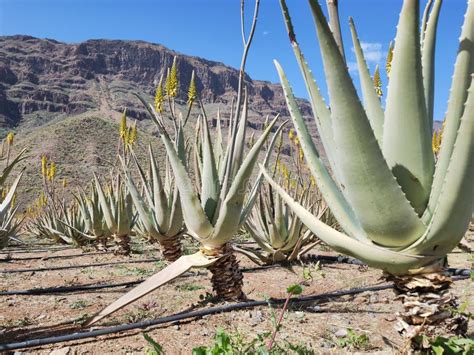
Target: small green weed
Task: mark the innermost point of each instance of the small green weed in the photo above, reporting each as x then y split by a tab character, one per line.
156	349
354	341
80	304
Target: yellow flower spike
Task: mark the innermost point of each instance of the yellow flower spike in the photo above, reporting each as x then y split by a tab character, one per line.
192	90
52	171
297	141
4	193
378	82
301	154
171	84
312	180
64	182
159	97
291	134
13	201
10	137
388	64
123	124
44	165
132	135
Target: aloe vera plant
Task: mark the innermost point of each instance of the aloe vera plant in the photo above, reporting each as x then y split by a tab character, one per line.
117	207
8	225
214	213
95	226
398	212
277	230
159	208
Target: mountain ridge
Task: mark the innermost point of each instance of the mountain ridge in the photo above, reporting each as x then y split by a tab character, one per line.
46	75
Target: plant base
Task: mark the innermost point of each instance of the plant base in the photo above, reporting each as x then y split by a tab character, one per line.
430	308
123	245
171	248
227	279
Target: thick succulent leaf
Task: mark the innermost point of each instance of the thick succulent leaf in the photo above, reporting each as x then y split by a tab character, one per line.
255	188
406	119
424	21
428	59
145	181
6	203
456	201
169	273
231	210
240	137
463	70
176	219
210	187
390	261
332	194
218	144
7	170
104	203
372	103
321	112
144	212
195	219
160	200
124	218
366	179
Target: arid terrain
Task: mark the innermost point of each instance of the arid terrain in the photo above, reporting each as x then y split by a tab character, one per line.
320	325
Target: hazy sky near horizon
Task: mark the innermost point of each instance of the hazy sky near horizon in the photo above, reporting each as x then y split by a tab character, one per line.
211	29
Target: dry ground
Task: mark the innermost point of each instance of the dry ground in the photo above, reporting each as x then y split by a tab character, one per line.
314	324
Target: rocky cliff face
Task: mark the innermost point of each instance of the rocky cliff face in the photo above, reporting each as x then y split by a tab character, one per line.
43	75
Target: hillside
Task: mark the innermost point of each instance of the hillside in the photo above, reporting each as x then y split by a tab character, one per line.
41	79
65	100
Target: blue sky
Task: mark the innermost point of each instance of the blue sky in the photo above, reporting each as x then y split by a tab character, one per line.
211	29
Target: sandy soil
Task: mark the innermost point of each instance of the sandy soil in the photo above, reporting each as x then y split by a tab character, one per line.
314	325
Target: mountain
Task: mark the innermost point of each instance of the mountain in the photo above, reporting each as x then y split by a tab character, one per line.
43	78
65	101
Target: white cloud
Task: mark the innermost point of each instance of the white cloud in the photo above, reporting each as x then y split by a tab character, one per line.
265	33
373	52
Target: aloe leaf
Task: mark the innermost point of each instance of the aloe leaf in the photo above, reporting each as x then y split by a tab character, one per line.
196	220
169	273
176	218
240	137
7	170
321	112
365	177
108	216
210	182
144	180
230	212
6	203
428	59
218	145
372	104
456	201
143	212
160	201
461	82
424	21
333	196
390	261
406	119
255	188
